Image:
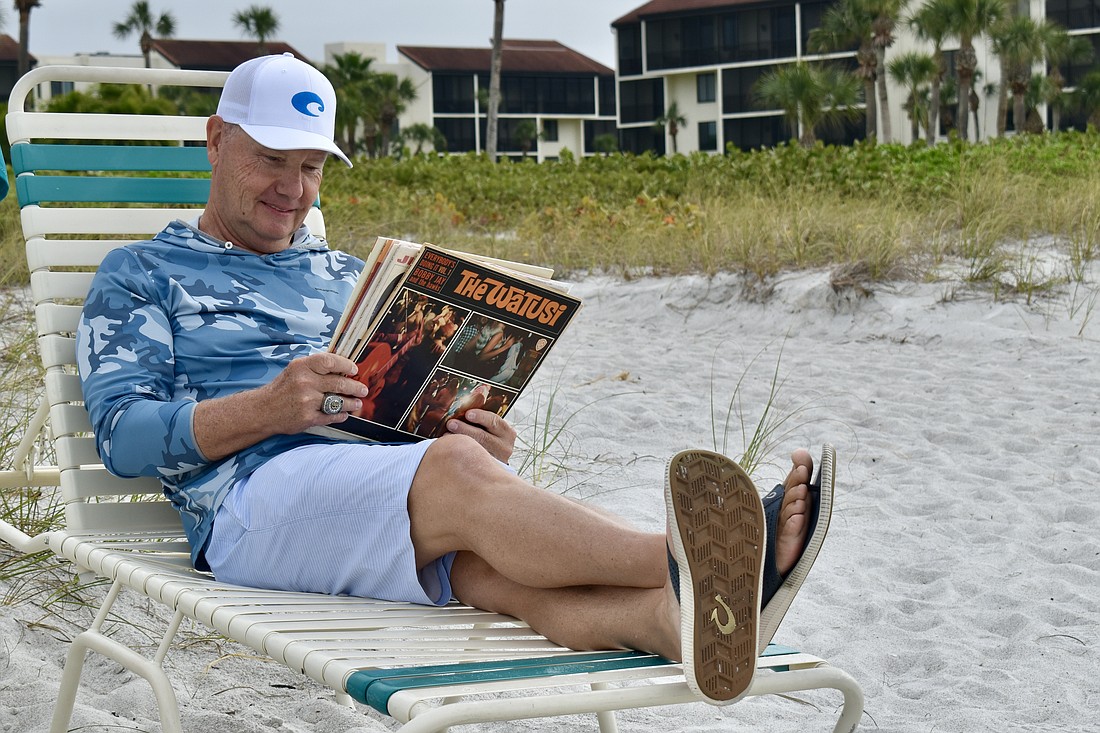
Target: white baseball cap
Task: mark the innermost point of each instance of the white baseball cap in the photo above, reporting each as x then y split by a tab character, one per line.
283	104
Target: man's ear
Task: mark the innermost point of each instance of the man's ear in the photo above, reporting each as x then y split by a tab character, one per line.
215	127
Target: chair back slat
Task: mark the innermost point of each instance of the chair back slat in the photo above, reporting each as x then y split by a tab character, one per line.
34	157
135	516
56	318
76	189
96	481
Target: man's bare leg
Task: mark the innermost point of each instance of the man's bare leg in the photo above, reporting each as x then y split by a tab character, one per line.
462	499
582	579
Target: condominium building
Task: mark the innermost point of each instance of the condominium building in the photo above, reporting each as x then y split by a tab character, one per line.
552	97
705	56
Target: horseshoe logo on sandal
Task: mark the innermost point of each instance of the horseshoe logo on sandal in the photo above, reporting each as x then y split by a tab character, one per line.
730	624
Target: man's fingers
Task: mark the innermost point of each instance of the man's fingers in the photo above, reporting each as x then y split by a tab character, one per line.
328	363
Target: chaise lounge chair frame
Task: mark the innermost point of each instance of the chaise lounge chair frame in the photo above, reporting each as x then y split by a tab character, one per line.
428	668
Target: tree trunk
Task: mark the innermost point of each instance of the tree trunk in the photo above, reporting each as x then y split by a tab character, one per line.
934	110
24	40
867	63
1002	102
965	64
872	109
974	101
1019	103
494	79
883	100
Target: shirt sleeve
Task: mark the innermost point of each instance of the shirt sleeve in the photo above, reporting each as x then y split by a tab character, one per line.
124	349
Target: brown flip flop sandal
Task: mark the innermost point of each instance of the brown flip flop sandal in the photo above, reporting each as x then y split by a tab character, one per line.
718	535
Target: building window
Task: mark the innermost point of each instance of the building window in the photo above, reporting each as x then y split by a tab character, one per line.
639	140
739	89
1074	14
59	88
708	135
630	49
607	96
600	136
453	93
755	132
458	132
1075	72
544	95
641	101
705	87
550	131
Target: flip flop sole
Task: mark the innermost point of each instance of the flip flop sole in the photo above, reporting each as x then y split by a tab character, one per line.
822	490
718	538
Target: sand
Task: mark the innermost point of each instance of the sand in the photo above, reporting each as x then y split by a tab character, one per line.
959	584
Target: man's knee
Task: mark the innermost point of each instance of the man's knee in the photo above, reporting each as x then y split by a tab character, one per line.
456	460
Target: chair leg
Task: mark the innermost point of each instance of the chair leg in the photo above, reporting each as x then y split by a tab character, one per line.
94	640
606	718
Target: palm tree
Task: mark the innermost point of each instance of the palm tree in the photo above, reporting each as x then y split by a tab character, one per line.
494	79
524	135
672	120
968	20
141	21
423	134
606	143
389	96
886	15
810	97
1062	48
351	76
1019	42
258	21
914	70
25	7
844	24
929	23
1088	97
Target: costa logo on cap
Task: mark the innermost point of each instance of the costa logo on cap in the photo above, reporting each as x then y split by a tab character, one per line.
307	102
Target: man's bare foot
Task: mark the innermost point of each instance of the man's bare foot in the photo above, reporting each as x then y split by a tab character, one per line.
794	516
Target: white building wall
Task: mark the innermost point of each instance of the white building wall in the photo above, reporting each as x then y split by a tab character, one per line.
570	135
43	93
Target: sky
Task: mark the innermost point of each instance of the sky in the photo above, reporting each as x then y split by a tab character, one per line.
66	27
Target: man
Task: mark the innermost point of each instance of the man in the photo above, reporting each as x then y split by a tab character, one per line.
202	358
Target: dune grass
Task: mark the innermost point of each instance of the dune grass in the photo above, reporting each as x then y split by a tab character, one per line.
879	211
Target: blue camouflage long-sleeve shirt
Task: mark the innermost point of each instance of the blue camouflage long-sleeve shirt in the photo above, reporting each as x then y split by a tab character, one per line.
186	317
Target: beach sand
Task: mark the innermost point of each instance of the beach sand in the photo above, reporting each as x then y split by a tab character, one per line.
959	584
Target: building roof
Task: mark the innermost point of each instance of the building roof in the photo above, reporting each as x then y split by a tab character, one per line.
9	49
215	55
675	7
516	57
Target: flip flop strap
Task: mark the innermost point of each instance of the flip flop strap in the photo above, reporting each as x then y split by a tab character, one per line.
674	573
773	502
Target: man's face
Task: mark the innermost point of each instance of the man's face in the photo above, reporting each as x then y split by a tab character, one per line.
258	196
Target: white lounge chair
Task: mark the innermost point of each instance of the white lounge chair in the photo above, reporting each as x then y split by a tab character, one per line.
428	668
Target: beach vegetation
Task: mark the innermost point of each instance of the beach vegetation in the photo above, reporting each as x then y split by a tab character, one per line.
884	211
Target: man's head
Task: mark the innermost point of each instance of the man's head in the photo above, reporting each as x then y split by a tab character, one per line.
283	104
267	147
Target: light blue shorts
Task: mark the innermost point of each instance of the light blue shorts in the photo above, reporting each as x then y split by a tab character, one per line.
328	519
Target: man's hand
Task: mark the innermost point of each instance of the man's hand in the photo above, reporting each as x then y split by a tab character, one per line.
289	404
294	397
493	432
